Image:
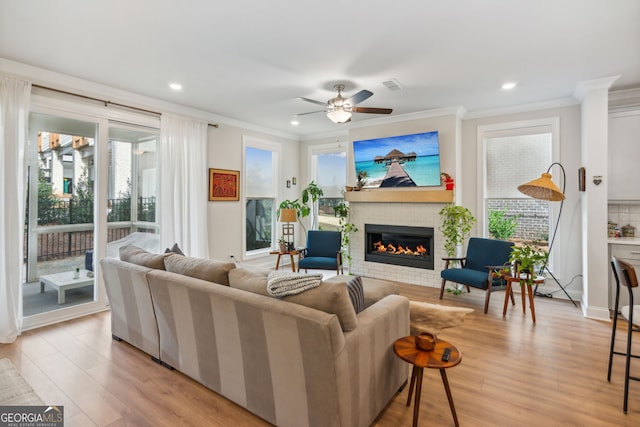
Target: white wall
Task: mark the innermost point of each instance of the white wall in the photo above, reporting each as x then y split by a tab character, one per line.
226	219
567	248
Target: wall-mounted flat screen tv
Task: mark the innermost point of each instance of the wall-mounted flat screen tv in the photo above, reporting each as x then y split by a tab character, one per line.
399	161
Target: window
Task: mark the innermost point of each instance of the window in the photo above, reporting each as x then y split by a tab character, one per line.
260	166
515	154
329	167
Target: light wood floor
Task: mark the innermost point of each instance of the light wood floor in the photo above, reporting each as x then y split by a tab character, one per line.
513	373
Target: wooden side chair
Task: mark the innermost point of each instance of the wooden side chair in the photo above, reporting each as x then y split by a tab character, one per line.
479	269
625	276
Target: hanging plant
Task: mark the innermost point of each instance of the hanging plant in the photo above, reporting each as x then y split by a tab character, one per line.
456	225
346	227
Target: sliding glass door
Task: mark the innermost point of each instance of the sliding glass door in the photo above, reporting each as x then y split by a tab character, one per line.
59	223
92	188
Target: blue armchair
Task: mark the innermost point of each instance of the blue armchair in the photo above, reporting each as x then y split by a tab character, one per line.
323	251
479	268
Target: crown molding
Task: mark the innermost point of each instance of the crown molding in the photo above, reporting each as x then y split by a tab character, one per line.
83	87
624	100
534	106
588	85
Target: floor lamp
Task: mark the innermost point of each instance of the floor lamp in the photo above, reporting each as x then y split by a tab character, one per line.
543	188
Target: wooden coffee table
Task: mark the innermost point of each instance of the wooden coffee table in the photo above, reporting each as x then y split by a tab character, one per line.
65	281
405	348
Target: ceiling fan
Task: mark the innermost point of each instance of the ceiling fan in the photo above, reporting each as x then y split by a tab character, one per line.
339	109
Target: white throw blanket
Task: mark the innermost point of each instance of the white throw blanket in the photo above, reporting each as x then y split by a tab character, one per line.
283	283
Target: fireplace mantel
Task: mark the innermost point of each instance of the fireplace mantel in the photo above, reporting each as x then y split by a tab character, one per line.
400	195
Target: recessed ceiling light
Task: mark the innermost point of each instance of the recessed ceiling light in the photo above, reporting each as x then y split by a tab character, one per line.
294	123
175	86
508	86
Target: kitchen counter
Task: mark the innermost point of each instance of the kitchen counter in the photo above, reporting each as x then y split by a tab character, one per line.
624	240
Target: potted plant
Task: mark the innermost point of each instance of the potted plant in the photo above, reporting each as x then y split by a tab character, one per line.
456	225
310	193
528	259
361	180
283	244
346	228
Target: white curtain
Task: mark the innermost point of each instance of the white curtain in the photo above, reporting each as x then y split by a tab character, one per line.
14	116
184	184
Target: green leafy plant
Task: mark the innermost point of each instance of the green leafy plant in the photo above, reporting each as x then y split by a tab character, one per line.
310	194
528	258
361	179
346	228
456	224
501	226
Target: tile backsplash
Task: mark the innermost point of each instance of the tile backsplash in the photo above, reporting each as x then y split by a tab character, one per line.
623	213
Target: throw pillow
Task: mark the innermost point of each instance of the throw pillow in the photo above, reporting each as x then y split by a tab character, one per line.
426	317
175	249
356	293
200	268
139	256
332	298
374	289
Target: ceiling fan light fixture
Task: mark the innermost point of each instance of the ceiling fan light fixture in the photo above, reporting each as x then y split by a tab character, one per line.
339	115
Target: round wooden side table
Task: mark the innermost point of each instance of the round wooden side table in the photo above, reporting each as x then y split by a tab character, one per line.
526	283
405	348
291	254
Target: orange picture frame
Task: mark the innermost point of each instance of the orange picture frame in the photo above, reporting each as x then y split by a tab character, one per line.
224	185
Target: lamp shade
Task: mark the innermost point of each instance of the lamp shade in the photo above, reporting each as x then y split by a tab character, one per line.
542	189
339	115
288	215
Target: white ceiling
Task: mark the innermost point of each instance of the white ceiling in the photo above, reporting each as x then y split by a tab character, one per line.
250	59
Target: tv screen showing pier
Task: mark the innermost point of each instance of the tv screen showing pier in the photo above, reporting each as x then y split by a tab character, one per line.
399	161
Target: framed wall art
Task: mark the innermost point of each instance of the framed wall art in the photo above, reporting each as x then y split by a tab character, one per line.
224	185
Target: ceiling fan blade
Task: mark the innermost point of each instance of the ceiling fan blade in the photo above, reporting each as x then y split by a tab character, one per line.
310	112
371	110
358	97
313	101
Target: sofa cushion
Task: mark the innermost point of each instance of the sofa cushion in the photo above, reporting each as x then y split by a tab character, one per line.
332	298
139	256
253	280
199	268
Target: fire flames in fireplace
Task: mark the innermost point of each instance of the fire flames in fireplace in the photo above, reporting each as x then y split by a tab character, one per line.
392	249
402	245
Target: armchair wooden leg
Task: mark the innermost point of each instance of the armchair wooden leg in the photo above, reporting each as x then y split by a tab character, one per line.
444	281
486	301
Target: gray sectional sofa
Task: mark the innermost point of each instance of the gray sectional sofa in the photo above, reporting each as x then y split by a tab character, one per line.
301	360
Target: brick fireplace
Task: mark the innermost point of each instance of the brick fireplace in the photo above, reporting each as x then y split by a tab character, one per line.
398	214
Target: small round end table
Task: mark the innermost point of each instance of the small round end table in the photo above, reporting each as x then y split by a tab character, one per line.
405	348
